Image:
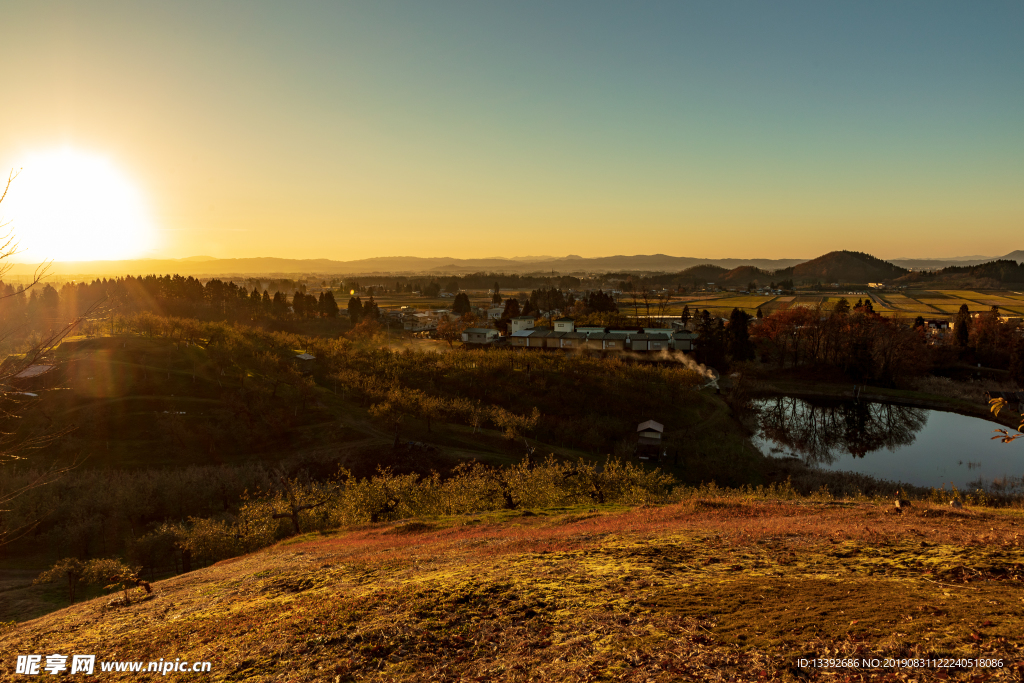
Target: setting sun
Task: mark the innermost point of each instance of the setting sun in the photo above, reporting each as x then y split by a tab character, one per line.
71	205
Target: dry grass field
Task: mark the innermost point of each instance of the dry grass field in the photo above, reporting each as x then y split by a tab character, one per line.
716	587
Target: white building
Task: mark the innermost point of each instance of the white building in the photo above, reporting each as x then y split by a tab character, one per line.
520	324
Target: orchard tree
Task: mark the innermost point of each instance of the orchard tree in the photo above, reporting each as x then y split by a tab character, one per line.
70	569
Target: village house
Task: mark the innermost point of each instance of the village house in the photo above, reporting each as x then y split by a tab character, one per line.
564	325
425	320
522	323
479	335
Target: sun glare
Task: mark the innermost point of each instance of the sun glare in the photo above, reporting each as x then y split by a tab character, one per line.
70	205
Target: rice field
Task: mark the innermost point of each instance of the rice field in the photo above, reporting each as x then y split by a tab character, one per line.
912	303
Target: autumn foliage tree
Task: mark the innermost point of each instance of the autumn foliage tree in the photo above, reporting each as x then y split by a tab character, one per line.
861	343
450	331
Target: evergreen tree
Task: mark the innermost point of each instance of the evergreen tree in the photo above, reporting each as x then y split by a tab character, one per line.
599	302
279	305
298	304
685	317
705	336
962	326
370	310
355	310
328	306
740	347
511	309
461	304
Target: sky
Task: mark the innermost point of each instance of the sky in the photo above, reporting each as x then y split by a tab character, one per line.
476	129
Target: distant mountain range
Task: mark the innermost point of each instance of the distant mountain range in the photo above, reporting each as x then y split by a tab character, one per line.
209	266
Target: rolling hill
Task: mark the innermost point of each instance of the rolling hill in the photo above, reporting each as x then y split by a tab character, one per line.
744	275
843	267
993	274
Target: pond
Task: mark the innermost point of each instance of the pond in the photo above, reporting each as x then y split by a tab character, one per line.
897	443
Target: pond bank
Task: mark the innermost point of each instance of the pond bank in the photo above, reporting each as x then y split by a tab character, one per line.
903	397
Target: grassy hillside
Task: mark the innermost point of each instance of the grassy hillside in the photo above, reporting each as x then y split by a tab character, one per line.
134	401
715	587
188	427
140	401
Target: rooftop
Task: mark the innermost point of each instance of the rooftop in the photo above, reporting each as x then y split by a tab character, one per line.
650	424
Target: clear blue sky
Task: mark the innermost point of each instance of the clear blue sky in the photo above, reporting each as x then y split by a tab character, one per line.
346	130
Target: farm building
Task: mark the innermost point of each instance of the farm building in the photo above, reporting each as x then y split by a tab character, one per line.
33	371
479	335
564	335
649	443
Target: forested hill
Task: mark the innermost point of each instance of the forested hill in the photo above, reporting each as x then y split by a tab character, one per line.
843	266
745	275
1015	256
706	272
1003	271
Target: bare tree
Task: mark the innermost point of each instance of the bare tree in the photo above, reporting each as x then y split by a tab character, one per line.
17	440
645	295
9	245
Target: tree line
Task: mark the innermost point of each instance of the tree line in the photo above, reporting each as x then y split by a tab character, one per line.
862	344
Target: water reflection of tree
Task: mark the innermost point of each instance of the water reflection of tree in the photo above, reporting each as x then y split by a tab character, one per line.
821	433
